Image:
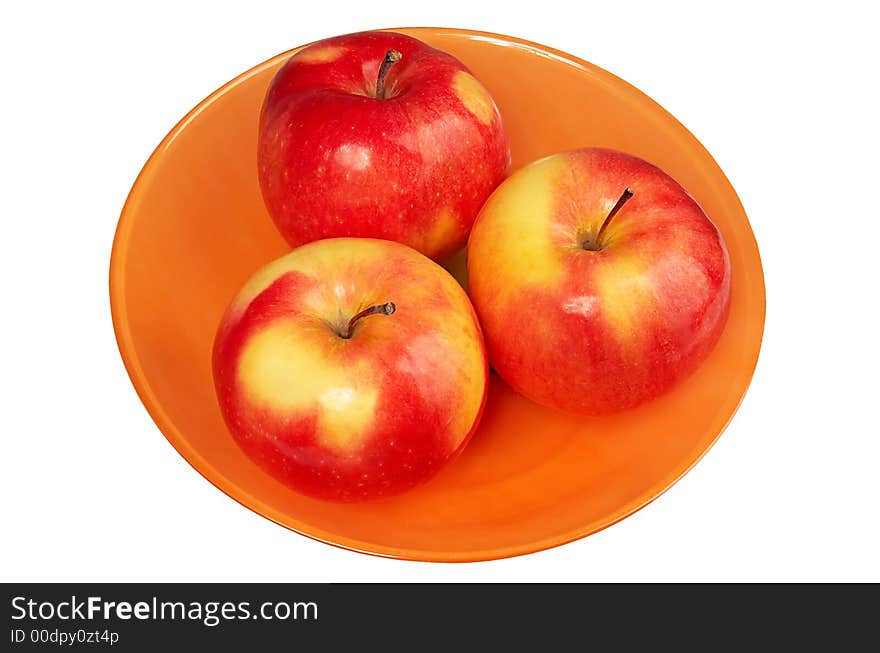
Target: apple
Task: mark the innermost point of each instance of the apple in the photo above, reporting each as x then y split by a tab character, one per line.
351	368
599	282
378	135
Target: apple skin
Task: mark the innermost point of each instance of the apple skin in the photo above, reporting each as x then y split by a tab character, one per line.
357	418
595	332
415	167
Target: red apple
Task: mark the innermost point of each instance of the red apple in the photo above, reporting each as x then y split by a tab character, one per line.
377	134
598	280
350	368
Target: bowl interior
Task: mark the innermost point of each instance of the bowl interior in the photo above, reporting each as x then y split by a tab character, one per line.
194	229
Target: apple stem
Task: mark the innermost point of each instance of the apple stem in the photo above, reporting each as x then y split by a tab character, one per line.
387	308
391	58
623	199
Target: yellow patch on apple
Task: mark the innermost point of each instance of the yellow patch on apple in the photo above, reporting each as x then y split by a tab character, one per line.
443	230
299	260
474	97
627	294
345	414
513	226
323	54
470	397
285	374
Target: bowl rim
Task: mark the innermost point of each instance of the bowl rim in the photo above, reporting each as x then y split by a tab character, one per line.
133	367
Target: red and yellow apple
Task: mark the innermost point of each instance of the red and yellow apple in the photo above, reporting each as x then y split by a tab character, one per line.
599	282
378	135
351	369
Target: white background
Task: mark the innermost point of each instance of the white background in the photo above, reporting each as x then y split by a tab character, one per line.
785	100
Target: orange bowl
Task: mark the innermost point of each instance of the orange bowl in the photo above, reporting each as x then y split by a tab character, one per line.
194	229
